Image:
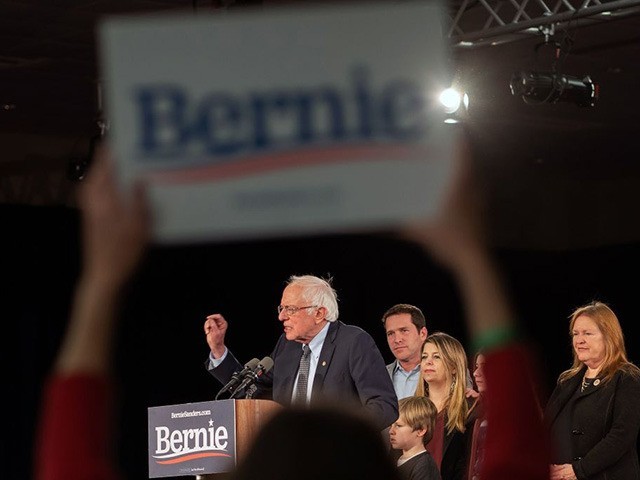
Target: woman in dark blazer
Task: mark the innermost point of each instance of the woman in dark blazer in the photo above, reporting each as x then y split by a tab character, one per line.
594	411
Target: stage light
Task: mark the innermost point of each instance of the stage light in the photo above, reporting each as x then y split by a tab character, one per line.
451	99
549	87
455	104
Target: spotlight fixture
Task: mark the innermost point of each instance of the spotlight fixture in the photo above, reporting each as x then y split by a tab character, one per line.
550	87
454	103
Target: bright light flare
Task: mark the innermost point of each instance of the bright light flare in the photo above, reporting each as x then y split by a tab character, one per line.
451	99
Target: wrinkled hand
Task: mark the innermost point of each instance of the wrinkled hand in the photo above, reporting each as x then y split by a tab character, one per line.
215	328
115	225
562	472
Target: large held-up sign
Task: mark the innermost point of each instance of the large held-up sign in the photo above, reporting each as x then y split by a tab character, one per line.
281	121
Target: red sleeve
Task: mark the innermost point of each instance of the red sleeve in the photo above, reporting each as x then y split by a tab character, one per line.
516	443
75	433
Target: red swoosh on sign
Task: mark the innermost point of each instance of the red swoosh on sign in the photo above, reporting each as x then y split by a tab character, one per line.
190	457
264	163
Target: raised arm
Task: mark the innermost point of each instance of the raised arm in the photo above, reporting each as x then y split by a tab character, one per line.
74	437
516	444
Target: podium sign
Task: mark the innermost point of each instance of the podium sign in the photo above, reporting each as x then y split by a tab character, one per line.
283	121
192	438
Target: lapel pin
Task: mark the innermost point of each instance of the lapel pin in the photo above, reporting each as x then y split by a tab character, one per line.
596	382
324	363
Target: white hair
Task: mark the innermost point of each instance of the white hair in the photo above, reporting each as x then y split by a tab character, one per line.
317	291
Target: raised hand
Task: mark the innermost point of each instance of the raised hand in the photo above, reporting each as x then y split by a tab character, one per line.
215	328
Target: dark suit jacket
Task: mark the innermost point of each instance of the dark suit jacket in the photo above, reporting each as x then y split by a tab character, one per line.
605	425
350	367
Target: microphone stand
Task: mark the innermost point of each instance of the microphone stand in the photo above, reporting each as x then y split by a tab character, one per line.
250	378
238	377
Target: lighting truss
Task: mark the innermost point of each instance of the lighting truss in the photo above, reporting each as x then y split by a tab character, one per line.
481	22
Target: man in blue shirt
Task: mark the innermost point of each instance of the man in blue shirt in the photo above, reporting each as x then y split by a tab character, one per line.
406	331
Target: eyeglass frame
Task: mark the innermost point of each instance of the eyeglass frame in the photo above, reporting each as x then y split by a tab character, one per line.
291	310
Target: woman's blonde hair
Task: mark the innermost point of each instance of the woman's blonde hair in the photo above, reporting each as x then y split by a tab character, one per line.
455	362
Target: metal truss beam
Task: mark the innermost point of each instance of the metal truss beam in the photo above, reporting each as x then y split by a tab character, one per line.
481	22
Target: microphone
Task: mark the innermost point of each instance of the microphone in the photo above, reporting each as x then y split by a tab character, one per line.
250	378
238	376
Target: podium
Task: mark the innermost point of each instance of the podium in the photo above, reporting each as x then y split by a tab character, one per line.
250	416
204	439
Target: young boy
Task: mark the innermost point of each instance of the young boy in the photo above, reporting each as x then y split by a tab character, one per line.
410	433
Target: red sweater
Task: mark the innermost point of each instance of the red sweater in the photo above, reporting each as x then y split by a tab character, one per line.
75	436
516	443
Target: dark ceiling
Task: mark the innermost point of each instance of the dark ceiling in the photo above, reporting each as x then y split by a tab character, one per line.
559	176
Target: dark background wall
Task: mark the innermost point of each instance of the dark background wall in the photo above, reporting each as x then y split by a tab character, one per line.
161	347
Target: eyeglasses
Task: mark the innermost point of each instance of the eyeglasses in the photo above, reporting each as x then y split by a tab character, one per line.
290	310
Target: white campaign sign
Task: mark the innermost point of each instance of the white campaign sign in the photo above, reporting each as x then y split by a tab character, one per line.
280	122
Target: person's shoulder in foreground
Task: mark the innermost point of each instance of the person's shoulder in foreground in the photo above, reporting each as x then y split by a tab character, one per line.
328	441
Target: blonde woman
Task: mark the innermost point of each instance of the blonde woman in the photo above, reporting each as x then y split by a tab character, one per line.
593	412
443	371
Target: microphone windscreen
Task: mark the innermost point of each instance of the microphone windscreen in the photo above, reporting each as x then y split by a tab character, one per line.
266	363
252	364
